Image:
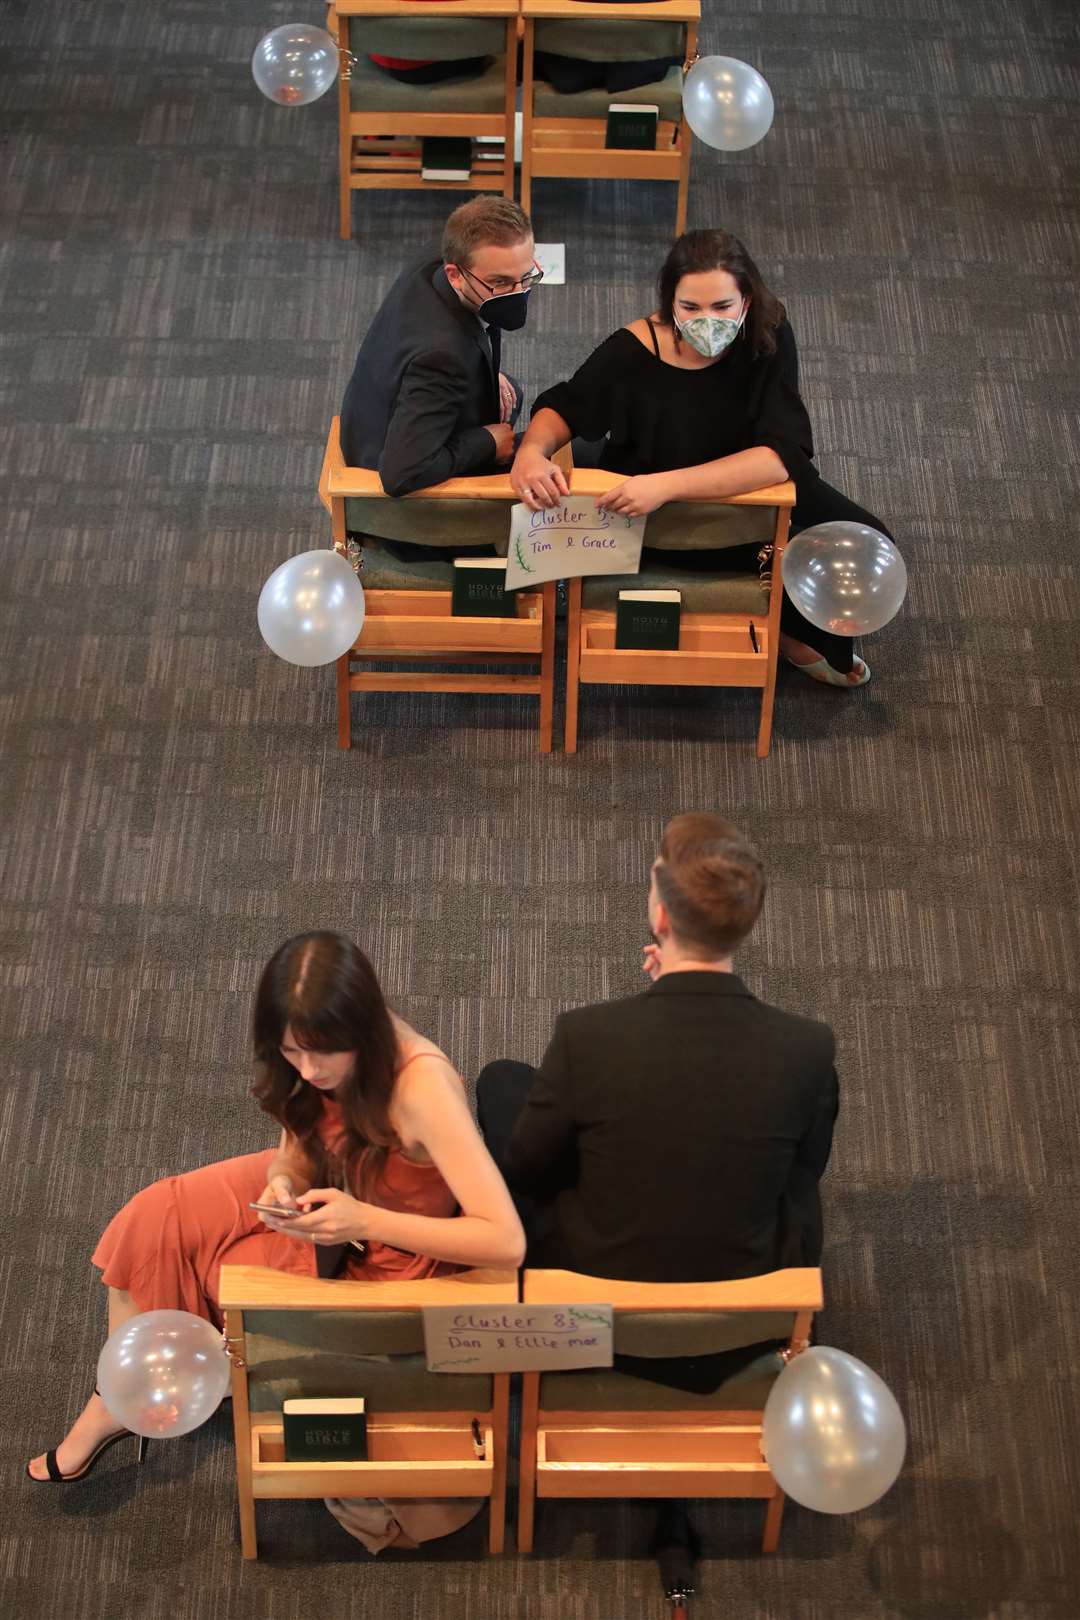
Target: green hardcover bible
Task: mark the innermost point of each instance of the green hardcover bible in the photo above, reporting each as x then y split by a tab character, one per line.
445	157
648	619
480	589
632	127
333	1429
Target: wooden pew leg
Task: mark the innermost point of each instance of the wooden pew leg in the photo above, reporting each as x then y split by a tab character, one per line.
773	1515
768	698
500	1427
245	1496
530	1403
340	31
684	182
249	1543
547	668
344	720
573	665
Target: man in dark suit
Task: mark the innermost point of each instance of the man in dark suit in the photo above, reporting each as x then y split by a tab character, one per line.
677	1135
428	400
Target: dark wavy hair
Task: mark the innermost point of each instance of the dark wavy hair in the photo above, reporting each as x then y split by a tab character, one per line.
323	989
698	251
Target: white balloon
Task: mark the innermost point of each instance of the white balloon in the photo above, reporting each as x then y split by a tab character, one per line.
162	1373
311	609
845	577
727	103
832	1433
295	64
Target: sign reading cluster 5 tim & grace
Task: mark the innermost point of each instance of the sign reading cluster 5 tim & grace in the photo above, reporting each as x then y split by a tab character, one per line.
561	542
516	1338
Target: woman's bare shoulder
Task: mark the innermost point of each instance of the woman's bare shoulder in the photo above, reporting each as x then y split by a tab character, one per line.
641	330
420	1062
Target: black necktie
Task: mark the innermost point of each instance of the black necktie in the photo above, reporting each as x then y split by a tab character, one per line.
495	339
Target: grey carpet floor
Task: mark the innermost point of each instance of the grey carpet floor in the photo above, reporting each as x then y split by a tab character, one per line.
178	320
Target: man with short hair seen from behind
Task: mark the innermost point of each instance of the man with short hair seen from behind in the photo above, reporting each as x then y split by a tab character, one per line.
677	1135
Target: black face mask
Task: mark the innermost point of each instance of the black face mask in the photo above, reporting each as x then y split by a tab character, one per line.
508	311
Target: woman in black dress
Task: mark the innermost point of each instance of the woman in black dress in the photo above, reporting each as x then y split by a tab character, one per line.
700	399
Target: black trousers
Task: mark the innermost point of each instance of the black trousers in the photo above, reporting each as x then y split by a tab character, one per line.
436	72
815	502
501	1091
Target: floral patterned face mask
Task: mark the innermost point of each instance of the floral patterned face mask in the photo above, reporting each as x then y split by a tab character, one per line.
710	335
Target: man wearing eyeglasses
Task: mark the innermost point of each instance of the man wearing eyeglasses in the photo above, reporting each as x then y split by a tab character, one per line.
428	399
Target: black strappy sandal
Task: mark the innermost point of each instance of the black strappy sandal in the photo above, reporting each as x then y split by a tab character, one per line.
53	1467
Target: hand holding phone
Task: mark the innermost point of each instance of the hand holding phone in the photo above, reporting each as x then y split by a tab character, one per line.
278	1211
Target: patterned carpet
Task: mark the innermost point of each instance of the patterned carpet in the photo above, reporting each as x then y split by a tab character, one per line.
178	321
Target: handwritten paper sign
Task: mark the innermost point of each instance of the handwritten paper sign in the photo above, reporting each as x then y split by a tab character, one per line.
561	542
517	1338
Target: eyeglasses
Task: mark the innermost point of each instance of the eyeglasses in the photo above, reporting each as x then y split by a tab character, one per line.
532	278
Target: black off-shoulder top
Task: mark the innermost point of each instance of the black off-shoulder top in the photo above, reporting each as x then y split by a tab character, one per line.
659	417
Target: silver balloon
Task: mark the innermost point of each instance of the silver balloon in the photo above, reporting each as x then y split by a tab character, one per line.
845	577
163	1373
727	103
295	64
311	609
833	1434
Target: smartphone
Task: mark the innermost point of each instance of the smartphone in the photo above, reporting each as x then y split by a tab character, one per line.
278	1210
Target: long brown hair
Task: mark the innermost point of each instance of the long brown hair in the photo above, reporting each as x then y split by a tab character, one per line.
698	251
323	989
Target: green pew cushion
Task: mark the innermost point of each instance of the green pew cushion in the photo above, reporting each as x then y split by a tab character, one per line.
700	526
372	90
701	593
599	1389
384	572
429	39
666	94
596	40
377	1354
697	1333
431	522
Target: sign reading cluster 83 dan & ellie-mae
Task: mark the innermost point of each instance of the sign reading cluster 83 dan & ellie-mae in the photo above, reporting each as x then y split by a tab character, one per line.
516	1338
561	542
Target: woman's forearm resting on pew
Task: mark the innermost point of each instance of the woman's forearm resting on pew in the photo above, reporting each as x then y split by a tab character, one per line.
730	475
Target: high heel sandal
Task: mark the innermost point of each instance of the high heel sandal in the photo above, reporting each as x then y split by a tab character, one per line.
53	1467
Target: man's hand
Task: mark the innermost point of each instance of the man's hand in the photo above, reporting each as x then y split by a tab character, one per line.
278	1190
650	961
536	480
503	434
337	1217
507	398
637	496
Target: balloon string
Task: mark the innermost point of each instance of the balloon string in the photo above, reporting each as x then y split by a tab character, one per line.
764	558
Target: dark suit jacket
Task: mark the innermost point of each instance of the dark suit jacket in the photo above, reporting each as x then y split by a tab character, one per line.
681	1134
423	388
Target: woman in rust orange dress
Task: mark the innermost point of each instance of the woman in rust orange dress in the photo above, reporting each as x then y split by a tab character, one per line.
378	1150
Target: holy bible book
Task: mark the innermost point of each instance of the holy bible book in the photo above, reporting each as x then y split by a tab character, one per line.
648	619
329	1429
480	589
632	127
445	157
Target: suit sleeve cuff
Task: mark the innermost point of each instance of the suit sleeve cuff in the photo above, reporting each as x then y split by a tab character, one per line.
474	449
